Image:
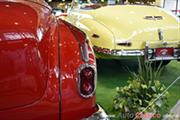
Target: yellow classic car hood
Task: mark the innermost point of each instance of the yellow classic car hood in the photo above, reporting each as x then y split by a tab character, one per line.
137	23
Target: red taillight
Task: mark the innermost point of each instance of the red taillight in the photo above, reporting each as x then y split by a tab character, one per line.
86	72
87	79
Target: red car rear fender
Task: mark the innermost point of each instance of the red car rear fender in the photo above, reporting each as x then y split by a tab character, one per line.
74	105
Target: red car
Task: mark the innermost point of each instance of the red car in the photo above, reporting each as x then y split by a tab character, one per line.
47	68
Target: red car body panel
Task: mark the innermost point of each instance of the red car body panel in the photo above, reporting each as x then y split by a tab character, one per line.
69	66
23	59
39	59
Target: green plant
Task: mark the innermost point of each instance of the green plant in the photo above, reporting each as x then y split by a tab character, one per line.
142	94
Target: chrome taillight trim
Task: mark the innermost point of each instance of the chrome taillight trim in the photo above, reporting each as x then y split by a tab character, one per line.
95	79
85	52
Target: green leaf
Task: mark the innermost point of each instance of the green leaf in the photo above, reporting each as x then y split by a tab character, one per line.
120	105
140	102
141	91
153	88
144	86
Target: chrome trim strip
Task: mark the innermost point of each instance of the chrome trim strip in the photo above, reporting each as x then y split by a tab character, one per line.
163	58
84	52
129	53
95	79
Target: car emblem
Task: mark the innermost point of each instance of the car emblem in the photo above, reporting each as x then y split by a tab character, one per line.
160	34
153	17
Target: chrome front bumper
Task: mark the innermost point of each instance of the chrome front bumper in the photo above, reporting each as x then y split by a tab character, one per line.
99	115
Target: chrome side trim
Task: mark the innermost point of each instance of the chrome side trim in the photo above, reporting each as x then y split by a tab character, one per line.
95	79
84	51
99	115
128	52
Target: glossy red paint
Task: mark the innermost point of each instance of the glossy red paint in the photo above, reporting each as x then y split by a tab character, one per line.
39	59
79	107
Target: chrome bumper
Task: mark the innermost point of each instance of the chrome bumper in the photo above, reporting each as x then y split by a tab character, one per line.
148	56
150	50
128	52
114	52
148	53
99	115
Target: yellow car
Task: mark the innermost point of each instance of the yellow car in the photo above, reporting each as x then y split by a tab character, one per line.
128	31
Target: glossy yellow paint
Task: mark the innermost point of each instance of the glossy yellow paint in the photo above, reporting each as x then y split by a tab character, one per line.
158	2
119	23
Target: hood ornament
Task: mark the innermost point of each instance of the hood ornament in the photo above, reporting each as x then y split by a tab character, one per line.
160	34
